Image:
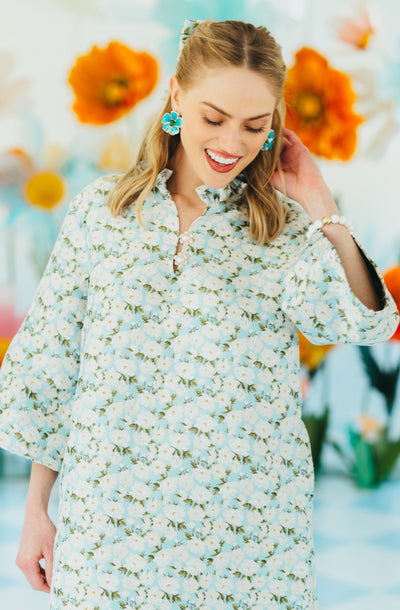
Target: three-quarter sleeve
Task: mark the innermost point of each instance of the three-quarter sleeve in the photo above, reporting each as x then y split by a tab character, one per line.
318	299
39	373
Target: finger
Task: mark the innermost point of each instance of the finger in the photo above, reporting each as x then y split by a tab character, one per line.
286	140
291	136
35	575
49	567
287	133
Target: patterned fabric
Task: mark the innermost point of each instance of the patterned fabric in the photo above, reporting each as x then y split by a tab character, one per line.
170	402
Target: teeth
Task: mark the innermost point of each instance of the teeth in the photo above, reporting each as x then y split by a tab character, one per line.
221	160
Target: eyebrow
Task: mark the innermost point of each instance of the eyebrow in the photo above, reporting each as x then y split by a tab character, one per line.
253	118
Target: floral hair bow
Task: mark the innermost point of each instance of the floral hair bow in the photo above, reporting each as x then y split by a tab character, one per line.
189	26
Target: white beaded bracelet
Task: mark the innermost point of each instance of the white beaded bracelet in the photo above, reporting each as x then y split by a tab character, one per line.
326	220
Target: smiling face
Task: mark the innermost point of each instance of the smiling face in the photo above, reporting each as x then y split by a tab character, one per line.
226	118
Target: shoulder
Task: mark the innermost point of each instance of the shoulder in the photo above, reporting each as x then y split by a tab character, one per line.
93	196
297	219
292	238
99	188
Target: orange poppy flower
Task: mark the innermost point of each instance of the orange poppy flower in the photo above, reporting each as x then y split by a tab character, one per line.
312	356
109	82
9	325
392	281
319	106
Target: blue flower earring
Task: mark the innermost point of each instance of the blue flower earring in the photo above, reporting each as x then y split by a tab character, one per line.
171	123
269	141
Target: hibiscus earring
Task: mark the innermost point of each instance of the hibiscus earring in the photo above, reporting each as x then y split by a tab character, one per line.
171	122
269	141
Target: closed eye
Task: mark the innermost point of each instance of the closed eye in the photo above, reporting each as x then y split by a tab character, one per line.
253	130
218	123
211	122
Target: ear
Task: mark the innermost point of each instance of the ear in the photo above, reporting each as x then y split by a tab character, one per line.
175	93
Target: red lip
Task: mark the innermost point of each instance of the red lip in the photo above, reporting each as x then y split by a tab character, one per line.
222	169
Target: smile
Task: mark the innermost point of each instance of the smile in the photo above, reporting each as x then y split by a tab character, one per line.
222	160
220	163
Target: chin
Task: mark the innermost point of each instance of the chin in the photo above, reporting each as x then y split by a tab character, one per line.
217	184
220	180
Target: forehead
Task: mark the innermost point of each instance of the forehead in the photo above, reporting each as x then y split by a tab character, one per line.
233	87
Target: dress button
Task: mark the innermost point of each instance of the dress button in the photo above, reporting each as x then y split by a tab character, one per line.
186	237
180	259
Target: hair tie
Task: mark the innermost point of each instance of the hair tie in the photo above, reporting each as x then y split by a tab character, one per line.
189	26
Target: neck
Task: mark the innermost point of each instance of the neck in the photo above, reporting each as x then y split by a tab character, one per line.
183	181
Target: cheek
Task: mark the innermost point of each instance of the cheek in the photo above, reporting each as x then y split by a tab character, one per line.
254	146
192	136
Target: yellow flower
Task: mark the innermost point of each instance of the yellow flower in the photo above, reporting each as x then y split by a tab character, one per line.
44	190
4	345
312	356
392	281
369	427
109	82
116	155
319	106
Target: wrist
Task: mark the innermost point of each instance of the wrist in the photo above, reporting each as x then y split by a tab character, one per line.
326	223
36	503
319	204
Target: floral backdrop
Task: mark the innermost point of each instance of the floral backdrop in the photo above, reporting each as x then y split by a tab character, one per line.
76	90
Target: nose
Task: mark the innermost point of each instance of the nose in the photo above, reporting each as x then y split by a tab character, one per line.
231	140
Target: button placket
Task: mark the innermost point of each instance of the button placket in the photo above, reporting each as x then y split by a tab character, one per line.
181	257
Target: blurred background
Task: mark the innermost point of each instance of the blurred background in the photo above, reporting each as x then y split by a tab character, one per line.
78	81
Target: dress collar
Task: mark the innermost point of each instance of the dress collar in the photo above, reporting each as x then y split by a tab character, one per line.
228	194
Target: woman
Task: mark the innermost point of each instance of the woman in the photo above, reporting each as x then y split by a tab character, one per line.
157	368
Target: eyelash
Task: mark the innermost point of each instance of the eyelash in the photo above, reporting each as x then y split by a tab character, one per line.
217	123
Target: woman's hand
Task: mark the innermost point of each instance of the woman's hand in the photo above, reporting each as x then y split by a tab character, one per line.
37	542
303	181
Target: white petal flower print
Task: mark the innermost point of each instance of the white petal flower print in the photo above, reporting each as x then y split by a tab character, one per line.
278	587
258	500
239	446
195	566
264	429
32	435
201	495
245	374
165	374
108	581
301	569
174	512
155	597
205	423
287	519
233	516
186	370
120	438
17	354
301	269
56	441
162	558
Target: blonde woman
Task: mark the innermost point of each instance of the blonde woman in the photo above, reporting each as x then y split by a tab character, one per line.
157	369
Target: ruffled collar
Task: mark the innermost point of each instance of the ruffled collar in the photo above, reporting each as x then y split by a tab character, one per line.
230	193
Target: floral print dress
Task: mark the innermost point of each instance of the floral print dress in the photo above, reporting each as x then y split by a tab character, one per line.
170	401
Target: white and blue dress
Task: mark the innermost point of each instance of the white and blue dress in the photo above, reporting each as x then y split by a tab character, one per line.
170	401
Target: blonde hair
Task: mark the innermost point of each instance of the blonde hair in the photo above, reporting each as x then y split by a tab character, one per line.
214	44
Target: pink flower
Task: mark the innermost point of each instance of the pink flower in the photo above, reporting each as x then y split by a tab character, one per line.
13	94
356	31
